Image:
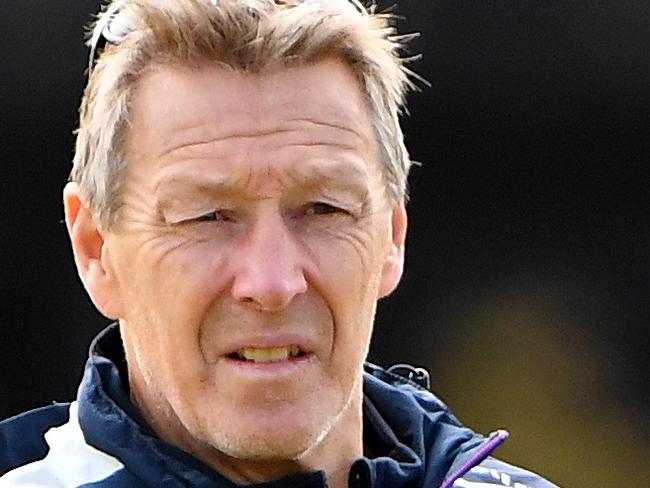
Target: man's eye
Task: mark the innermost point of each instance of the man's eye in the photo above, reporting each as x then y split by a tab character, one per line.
213	216
322	208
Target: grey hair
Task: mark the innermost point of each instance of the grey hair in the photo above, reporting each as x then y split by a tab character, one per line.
250	36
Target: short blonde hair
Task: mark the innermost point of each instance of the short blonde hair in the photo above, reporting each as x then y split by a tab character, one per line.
246	35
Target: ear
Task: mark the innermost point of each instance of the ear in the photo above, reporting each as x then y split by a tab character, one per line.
394	264
90	256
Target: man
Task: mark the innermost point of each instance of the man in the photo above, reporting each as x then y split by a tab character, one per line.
237	205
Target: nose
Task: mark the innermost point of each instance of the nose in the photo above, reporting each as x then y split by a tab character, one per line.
270	270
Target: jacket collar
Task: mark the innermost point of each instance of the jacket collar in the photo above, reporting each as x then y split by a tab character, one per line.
411	437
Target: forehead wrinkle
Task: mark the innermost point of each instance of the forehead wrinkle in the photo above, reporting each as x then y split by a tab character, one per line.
344	137
355	130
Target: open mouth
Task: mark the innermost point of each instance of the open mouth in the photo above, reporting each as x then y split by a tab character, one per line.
267	354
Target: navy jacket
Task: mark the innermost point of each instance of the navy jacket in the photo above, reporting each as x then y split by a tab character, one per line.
100	440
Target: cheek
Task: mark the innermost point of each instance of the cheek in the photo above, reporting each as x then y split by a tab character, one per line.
349	270
172	286
350	256
350	246
178	274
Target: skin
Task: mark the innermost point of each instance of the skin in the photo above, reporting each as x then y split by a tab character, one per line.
254	215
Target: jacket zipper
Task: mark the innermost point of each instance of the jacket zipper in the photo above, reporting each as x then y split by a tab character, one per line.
494	440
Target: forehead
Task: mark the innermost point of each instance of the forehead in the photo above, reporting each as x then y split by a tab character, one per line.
217	118
174	98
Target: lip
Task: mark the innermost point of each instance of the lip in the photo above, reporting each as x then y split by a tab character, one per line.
284	370
267	341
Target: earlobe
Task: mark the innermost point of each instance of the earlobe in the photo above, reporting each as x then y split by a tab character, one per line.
88	247
394	264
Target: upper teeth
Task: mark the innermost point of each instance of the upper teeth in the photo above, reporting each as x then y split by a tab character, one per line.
269	354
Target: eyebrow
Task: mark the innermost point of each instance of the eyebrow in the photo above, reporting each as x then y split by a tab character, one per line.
176	190
338	175
318	175
181	184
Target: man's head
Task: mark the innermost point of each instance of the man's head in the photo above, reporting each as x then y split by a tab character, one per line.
252	36
237	203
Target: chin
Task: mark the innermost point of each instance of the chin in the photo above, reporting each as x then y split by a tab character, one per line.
279	435
270	445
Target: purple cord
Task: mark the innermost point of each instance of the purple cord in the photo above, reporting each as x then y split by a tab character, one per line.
496	439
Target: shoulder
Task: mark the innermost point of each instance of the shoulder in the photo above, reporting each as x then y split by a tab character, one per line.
22	437
403	392
493	473
62	457
449	450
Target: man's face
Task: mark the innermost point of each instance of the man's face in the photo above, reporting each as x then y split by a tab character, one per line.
253	244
